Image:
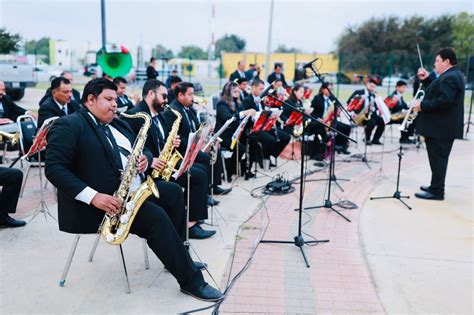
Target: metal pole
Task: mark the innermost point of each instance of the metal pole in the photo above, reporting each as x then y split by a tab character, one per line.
102	17
269	41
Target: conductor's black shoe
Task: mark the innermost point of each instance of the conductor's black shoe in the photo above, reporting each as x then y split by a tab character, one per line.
249	175
377	142
221	191
198	233
199	265
204	293
211	201
429	195
425	188
407	141
9	222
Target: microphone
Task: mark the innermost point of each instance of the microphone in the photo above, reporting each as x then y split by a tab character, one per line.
307	65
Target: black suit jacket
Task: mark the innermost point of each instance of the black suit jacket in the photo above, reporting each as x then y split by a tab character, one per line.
75	94
152	141
236	75
272	77
10	109
223	113
184	127
124	101
443	106
79	155
361	93
50	109
400	104
318	106
151	73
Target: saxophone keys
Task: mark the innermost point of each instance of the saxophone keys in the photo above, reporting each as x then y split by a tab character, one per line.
120	231
130	206
124	218
109	237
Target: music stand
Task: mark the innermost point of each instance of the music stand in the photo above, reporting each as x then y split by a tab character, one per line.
235	144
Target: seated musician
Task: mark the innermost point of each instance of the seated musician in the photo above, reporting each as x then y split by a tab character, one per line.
83	161
227	107
321	109
244	87
318	145
183	103
154	99
9	111
277	74
173	82
273	141
123	102
396	104
10	181
374	116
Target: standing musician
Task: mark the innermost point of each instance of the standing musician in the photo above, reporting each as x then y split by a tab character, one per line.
274	141
123	102
374	116
396	104
151	72
321	109
83	161
440	120
59	104
183	103
227	107
239	73
154	99
277	74
10	180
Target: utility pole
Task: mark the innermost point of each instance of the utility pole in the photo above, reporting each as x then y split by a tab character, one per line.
269	41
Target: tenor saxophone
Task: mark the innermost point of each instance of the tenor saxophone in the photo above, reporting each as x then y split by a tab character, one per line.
115	228
169	154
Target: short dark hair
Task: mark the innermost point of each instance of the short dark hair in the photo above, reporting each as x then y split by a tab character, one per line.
401	83
152	59
56	82
118	80
257	82
241	80
64	72
182	87
175	80
95	87
278	65
151	85
448	53
373	81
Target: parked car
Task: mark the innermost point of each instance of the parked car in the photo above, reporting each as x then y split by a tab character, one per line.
392	81
356	79
17	76
46	73
335	77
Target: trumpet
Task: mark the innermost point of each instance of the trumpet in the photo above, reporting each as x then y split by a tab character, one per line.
410	116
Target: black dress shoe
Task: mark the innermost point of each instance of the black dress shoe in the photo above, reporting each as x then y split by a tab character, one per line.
429	195
211	201
199	265
249	175
407	141
425	188
345	151
367	142
377	142
204	293
198	233
9	222
221	191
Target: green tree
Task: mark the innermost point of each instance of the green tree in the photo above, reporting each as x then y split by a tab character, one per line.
229	43
193	52
283	49
463	36
9	42
39	47
160	51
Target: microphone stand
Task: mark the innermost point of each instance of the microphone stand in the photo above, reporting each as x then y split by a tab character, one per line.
298	240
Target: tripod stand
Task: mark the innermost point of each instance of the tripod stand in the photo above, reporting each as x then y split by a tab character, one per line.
397	193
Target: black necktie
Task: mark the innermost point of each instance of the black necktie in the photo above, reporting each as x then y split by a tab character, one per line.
156	121
190	120
115	147
64	110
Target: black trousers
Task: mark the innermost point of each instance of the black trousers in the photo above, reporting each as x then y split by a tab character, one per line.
344	129
10	180
205	159
438	155
153	224
271	145
197	193
374	121
318	145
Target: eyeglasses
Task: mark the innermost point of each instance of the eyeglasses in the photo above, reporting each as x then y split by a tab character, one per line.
163	95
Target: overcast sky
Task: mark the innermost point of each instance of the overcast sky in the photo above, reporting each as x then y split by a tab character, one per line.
312	26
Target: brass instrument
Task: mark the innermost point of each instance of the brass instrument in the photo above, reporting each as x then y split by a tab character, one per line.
362	117
12	137
199	101
169	154
115	228
410	115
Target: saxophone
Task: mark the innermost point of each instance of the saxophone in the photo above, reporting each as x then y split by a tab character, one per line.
12	137
115	228
169	154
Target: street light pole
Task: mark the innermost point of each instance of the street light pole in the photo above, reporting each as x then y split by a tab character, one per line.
269	41
102	16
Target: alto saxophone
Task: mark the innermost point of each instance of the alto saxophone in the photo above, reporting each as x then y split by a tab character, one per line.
115	228
169	154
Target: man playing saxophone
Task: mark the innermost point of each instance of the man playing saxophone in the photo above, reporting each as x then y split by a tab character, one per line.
396	104
86	153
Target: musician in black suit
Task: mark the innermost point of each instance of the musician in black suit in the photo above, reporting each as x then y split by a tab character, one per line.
171	94
243	85
184	93
277	74
440	118
239	73
85	153
227	107
10	180
123	102
397	105
375	121
9	111
253	72
174	74
59	104
151	72
321	104
274	141
76	95
154	99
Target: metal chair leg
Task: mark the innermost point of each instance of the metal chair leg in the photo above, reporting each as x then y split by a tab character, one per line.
224	168
124	269
28	167
145	254
94	247
69	260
